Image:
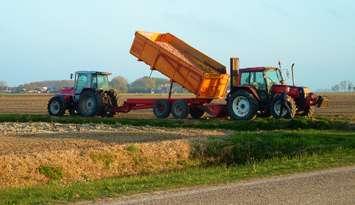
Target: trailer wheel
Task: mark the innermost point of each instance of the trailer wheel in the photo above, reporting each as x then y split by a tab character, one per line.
180	109
161	109
56	106
284	107
196	112
242	105
89	104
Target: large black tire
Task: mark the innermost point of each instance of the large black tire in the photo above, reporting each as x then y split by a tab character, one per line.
242	105
56	106
161	109
180	109
89	104
196	112
281	110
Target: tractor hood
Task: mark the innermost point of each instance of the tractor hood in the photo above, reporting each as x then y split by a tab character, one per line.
294	91
66	91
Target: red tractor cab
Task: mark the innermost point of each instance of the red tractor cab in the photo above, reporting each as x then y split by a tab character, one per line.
262	91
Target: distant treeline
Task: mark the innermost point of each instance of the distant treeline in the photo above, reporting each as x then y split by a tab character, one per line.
344	86
141	85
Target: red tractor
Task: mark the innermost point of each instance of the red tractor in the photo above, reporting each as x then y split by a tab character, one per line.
262	91
90	96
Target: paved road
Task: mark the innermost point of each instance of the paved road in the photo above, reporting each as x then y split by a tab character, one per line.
334	186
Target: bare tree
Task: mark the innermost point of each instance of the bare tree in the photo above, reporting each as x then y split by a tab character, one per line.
336	88
120	84
3	85
350	86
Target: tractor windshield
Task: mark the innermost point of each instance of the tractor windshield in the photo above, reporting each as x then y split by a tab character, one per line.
273	77
102	82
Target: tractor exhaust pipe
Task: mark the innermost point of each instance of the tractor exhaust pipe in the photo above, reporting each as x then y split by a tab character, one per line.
234	66
293	75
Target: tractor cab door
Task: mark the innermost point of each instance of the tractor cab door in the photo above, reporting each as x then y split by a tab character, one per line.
82	81
256	80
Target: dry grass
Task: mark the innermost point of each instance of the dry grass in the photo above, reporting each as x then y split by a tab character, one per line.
31	152
81	164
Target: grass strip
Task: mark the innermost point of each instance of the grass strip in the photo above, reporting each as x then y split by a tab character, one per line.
254	146
116	187
258	124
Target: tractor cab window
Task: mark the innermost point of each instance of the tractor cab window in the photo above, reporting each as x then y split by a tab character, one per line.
257	80
102	82
273	77
82	81
245	78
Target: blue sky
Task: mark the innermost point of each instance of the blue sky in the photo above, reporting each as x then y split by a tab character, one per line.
46	40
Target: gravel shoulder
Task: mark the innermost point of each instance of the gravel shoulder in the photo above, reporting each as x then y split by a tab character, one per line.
333	186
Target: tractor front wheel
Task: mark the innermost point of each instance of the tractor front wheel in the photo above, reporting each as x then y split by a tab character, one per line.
284	107
242	105
56	106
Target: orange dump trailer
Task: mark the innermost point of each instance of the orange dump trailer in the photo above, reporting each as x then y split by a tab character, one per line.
183	64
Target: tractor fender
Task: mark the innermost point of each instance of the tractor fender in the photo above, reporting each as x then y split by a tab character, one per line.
87	89
248	89
280	96
61	97
67	100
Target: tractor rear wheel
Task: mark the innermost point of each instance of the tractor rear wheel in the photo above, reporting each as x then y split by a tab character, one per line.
196	112
56	106
242	105
284	108
180	109
161	109
89	104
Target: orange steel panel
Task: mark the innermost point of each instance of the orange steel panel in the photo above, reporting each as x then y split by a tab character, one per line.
185	65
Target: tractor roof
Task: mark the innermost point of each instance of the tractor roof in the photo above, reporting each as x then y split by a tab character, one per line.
95	72
257	69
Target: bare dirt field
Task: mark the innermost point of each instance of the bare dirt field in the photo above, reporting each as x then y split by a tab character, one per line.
341	105
90	151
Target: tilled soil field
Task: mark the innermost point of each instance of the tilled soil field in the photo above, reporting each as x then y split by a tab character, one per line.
36	137
341	105
89	151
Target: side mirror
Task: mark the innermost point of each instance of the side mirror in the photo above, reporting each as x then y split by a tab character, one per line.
71	76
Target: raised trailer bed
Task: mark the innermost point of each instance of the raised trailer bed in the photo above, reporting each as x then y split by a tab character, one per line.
185	65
